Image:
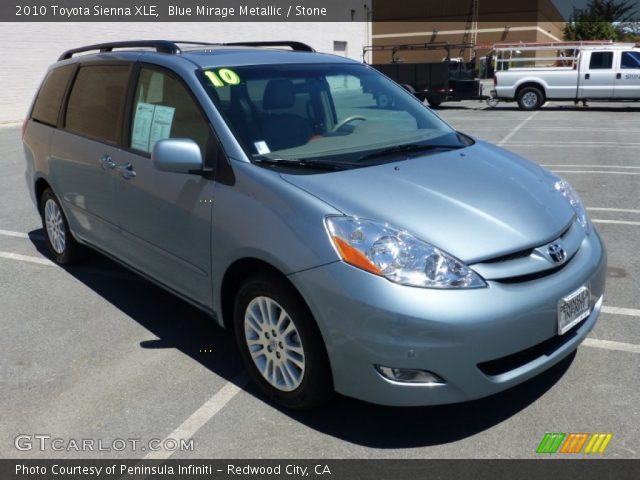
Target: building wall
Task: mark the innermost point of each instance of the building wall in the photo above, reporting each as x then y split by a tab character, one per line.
429	21
27	49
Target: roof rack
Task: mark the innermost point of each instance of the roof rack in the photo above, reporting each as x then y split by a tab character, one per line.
297	46
171	47
559	45
162	46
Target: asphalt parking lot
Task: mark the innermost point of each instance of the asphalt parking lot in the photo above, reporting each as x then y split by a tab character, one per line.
96	352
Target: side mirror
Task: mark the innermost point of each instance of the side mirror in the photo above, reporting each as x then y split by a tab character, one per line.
177	155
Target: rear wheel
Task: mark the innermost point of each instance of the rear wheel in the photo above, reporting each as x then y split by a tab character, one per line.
281	344
530	98
63	247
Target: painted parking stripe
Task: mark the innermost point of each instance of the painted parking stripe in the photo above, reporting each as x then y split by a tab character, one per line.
27	258
9	233
517	128
632	312
606	209
201	416
630	167
616	222
611	345
599	172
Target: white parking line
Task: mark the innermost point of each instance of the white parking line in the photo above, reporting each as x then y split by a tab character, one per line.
517	128
615	222
621	311
600	172
26	258
563	145
9	233
577	144
201	416
605	209
610	345
590	166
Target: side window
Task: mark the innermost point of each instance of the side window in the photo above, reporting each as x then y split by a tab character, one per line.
630	60
163	108
96	103
601	60
47	105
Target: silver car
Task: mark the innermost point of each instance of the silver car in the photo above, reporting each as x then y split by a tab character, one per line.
371	251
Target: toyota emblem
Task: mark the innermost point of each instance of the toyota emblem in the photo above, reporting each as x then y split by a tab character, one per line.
557	253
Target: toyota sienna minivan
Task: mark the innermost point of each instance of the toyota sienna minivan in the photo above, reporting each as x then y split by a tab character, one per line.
353	248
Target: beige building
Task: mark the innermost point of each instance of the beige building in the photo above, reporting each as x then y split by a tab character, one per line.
434	21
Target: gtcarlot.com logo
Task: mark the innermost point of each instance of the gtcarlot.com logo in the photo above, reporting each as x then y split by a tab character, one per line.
554	442
43	442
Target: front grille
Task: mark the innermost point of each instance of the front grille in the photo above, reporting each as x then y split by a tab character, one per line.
518	359
510	256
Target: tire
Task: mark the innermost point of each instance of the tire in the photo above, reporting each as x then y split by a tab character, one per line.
64	249
297	379
530	98
383	101
434	102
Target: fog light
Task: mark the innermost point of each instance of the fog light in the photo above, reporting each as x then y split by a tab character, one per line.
409	375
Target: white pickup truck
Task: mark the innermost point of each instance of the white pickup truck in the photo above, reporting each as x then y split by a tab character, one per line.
533	73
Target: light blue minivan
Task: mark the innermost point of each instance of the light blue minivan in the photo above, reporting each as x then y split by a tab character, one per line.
352	247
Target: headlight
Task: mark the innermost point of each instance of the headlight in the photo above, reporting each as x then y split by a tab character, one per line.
397	255
568	192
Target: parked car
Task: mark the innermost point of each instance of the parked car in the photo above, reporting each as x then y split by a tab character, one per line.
377	253
534	73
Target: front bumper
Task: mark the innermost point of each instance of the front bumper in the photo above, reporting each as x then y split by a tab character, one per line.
367	320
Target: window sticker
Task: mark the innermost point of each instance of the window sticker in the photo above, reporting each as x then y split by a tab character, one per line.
161	124
142	126
222	77
151	123
261	147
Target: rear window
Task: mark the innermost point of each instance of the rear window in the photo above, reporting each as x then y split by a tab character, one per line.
97	100
47	104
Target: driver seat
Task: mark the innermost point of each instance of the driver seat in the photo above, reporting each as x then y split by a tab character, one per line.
282	129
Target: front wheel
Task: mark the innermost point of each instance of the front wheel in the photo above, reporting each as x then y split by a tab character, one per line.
434	102
63	247
280	343
530	98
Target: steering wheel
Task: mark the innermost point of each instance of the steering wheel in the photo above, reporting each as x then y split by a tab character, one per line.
350	119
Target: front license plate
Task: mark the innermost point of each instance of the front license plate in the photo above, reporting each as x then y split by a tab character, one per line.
573	308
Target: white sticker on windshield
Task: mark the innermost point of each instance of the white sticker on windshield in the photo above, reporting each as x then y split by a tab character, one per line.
261	147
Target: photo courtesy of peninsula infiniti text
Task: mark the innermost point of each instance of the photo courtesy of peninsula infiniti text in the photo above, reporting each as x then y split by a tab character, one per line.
368	250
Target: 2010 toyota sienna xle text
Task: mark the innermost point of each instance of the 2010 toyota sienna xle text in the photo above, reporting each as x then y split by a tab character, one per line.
372	251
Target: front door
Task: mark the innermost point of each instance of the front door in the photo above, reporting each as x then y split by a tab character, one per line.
165	217
598	79
628	76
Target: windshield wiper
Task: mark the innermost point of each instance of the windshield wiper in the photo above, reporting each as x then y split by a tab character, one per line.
408	148
317	164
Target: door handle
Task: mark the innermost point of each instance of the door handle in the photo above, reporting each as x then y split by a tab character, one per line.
587	76
107	162
126	171
618	76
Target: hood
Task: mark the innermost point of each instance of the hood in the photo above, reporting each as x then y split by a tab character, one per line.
476	203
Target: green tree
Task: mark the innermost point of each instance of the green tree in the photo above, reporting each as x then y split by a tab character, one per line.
601	20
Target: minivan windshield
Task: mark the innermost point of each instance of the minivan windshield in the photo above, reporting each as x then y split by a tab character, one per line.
340	115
